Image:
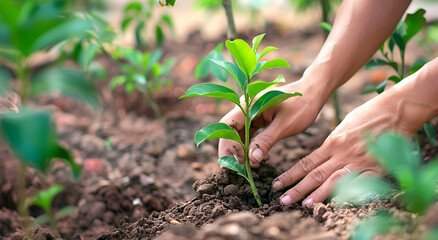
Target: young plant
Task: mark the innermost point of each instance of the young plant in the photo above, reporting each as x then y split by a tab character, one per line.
416	181
44	200
249	64
27	28
402	35
143	72
141	16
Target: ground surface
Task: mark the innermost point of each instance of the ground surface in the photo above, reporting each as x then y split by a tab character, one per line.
144	181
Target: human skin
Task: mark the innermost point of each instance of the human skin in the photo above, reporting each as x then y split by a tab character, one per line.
360	27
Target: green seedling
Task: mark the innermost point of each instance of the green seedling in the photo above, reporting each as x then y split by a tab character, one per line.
141	15
417	182
249	64
44	200
28	28
143	72
402	35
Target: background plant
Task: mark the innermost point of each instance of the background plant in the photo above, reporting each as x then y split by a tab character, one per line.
416	181
248	65
143	72
141	15
27	28
402	35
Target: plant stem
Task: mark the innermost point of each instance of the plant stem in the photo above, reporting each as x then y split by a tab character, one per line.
21	192
246	149
23	77
155	108
232	34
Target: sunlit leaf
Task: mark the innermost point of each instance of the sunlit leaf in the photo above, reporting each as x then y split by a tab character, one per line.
231	163
276	63
381	86
212	90
216	130
269	99
234	71
243	55
265	51
256	42
414	23
258	86
326	26
44	198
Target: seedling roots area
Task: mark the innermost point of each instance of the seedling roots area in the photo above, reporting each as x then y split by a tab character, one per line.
142	179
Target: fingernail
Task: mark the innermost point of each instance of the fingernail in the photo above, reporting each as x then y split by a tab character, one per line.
277	185
286	200
308	203
257	154
237	158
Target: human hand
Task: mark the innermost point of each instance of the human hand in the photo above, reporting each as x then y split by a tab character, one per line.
282	120
343	152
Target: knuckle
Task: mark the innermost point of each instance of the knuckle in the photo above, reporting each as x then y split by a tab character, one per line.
265	141
317	176
335	177
305	164
296	193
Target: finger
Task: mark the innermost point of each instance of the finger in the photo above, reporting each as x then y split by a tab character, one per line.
263	142
314	179
324	191
300	169
235	120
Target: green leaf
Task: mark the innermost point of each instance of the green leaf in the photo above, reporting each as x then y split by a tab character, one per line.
326	26
231	163
137	33
375	225
419	63
5	78
414	23
159	35
86	56
381	86
377	62
396	153
430	133
269	99
65	211
399	41
265	51
276	63
256	42
167	3
369	89
216	70
44	198
243	54
234	71
134	56
203	68
394	79
258	86
118	80
348	189
153	59
216	130
212	90
126	22
31	135
69	82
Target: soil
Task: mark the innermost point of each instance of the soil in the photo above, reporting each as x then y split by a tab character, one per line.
145	180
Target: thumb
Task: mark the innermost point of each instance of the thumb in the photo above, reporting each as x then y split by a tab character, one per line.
263	142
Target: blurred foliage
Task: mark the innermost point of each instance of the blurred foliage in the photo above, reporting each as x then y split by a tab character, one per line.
140	15
142	71
32	137
416	181
44	200
205	66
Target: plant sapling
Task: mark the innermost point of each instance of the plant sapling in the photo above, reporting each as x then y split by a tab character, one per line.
248	65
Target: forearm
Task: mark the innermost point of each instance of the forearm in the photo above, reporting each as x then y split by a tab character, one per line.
360	27
416	97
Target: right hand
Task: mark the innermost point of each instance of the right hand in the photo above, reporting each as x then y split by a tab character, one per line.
282	120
